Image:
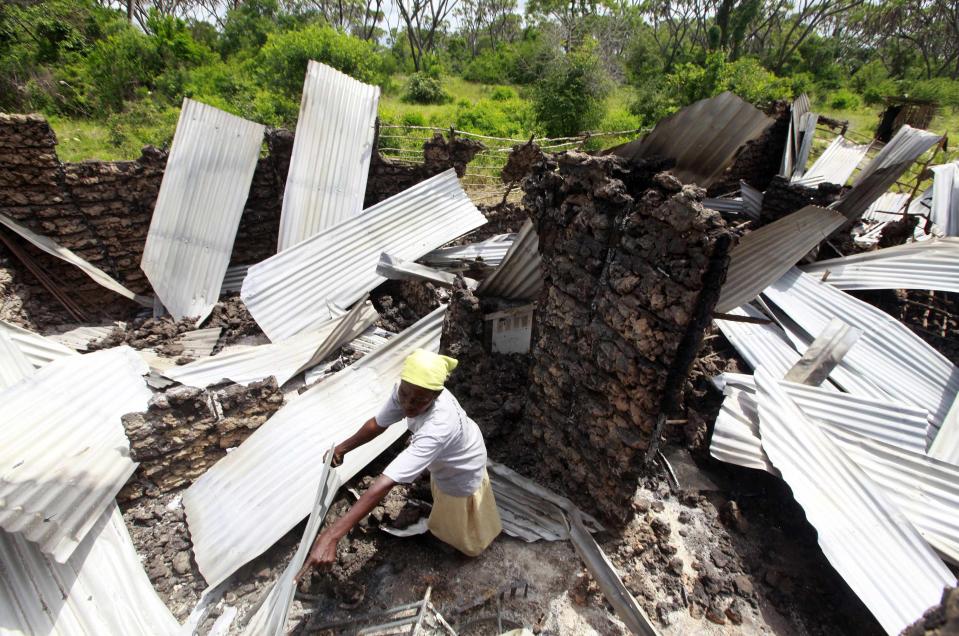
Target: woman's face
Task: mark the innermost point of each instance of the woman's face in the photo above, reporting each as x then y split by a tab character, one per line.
414	400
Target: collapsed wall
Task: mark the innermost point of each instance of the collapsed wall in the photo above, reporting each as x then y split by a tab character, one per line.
757	162
186	430
632	267
783	198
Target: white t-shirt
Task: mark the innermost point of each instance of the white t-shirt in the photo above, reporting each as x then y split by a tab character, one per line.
445	440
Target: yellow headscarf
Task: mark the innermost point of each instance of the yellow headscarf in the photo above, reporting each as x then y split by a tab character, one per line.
427	369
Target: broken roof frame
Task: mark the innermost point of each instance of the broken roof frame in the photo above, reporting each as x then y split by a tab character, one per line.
197	213
332	148
294	290
275	469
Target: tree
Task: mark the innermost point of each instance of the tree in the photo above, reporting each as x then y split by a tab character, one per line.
568	99
570	15
926	28
423	18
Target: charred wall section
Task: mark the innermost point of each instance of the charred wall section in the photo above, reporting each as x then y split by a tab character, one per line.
758	160
632	266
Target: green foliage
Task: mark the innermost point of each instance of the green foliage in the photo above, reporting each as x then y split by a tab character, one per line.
569	98
502	94
939	89
500	118
652	103
748	79
844	100
422	88
491	66
692	82
282	61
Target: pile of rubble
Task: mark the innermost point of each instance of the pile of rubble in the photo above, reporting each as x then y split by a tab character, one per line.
188	349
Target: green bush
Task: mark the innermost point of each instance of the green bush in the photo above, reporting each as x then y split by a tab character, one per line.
844	100
875	93
530	59
510	118
491	66
652	103
748	79
940	89
569	99
502	94
424	89
413	118
281	63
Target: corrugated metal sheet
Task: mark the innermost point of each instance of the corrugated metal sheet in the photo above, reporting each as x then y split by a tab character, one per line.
331	154
881	556
886	167
932	264
397	269
836	164
491	252
888	354
945	198
14	366
293	291
233	280
807	132
199	343
102	589
771	347
924	489
729	206
282	360
520	275
53	249
80	338
198	209
884	210
63	451
37	349
255	494
367	342
763	255
902	425
703	138
752	200
270	617
529	511
800	107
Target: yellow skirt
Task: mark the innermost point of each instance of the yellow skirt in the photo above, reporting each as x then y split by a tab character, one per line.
469	524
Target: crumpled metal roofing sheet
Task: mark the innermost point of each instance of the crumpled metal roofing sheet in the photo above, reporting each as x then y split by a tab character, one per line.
491	252
880	555
881	173
282	360
14	366
520	275
807	131
800	107
64	454
37	349
902	425
251	497
294	290
752	200
836	164
199	343
80	338
529	511
365	343
331	154
102	589
703	138
945	198
932	264
889	354
197	212
926	490
398	269
763	255
53	249
270	617
233	279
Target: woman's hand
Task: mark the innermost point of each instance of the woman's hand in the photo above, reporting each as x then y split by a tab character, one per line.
322	555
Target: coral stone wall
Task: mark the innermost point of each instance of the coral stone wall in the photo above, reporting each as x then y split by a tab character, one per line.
632	266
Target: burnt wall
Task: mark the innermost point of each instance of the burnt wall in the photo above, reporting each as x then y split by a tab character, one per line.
758	160
632	267
783	198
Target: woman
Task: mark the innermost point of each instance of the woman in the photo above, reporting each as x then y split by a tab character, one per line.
446	441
